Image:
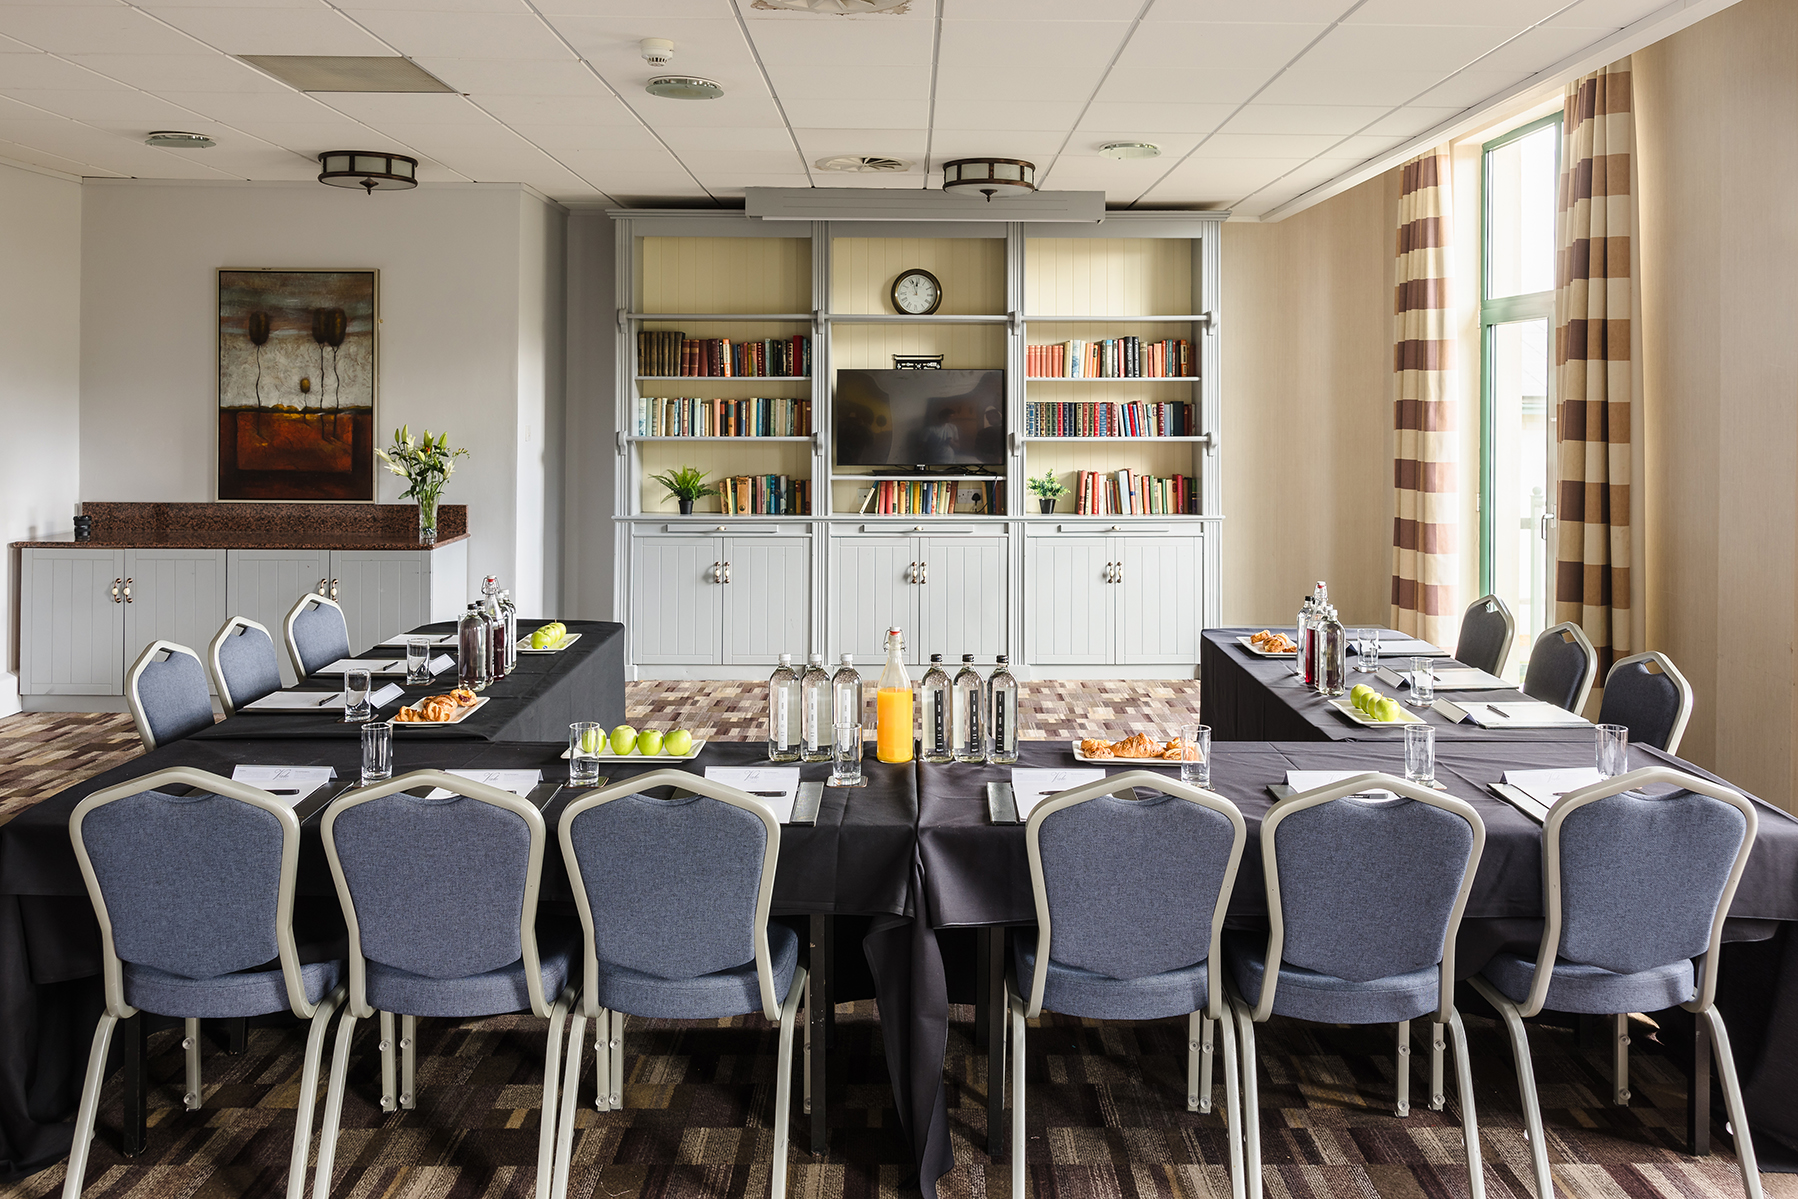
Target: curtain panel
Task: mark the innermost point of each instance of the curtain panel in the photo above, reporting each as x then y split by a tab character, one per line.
1425	531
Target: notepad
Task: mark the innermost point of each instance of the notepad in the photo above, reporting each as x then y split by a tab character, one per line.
289	784
518	782
372	665
386	695
427	638
439	664
1408	647
1511	714
1032	785
1311	780
1547	786
295	701
1453	678
776	786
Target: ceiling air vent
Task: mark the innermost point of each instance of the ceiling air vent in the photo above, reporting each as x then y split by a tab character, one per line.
835	8
862	164
347	73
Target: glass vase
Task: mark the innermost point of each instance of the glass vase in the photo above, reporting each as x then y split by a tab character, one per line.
427	520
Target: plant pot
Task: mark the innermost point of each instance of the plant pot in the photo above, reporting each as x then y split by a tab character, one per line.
686	507
1047	506
427	520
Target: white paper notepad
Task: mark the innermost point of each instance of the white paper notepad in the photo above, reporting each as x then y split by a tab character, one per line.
518	782
776	786
1031	785
289	784
427	638
1311	780
372	665
1451	678
295	701
1547	786
1520	714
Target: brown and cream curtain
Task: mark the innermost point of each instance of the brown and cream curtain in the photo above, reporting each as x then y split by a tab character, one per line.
1593	362
1425	531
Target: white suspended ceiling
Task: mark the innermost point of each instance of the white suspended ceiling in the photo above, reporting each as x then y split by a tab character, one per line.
1259	107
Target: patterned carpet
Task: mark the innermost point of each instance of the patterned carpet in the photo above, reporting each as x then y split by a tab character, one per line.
1106	1113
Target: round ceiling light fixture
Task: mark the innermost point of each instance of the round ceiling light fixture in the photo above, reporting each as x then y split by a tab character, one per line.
683	87
862	164
171	139
1130	150
371	170
990	176
835	8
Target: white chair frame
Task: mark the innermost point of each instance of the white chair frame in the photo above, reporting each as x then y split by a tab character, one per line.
1445	1015
1504	654
112	971
1702	1005
143	663
310	600
1565	628
358	1006
1657	661
1199	1024
215	671
608	1043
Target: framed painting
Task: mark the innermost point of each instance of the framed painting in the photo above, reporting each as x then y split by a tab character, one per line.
296	396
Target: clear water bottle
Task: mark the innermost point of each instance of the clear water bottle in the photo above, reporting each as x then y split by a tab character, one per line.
1310	648
472	663
845	695
1332	641
968	723
1002	703
509	611
1298	635
498	655
814	711
933	694
783	712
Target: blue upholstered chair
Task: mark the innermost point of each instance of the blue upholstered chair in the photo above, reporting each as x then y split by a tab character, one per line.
194	895
316	634
1364	897
242	662
1562	667
440	896
1486	633
1648	695
674	897
1637	886
166	691
1130	899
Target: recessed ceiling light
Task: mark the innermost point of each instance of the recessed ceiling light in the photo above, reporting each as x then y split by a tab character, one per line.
1130	150
862	164
683	87
347	72
169	139
836	8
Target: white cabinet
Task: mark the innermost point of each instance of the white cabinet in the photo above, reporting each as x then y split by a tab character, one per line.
1069	600
677	585
71	621
767	598
710	601
263	585
949	594
377	591
176	595
873	587
1123	600
1157	600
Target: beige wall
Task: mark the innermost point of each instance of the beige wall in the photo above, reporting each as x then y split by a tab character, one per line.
1717	127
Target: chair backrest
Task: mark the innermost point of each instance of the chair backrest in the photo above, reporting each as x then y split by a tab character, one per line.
1647	694
1365	889
316	634
242	662
1129	887
673	888
166	691
199	885
443	888
1634	881
1486	632
1562	667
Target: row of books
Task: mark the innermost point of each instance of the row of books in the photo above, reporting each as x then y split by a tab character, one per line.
899	497
1126	493
1113	358
690	416
764	495
669	352
1096	419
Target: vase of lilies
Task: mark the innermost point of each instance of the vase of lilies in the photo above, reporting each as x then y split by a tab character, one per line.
426	464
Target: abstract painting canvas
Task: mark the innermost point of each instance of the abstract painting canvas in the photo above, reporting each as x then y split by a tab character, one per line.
297	373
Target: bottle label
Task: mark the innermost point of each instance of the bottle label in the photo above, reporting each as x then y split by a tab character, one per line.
939	738
1000	704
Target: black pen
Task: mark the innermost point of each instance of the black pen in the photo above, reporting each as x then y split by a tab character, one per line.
1498	711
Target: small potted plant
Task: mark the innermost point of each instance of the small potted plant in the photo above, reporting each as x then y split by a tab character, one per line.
426	466
1047	490
685	485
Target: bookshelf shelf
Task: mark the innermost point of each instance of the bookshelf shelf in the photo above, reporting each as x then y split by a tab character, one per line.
724	379
917	478
1112	379
733	440
887	318
1204	439
1190	318
719	316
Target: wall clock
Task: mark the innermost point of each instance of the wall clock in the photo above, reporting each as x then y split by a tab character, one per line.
916	292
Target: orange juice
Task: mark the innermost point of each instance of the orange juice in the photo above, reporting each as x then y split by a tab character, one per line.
893	724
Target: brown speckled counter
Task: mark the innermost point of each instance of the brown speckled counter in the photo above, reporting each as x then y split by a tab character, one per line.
253	526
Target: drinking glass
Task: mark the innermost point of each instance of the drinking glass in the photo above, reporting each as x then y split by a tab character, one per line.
1367	649
1613	749
1195	754
377	751
1420	754
418	659
1423	682
355	696
585	739
846	756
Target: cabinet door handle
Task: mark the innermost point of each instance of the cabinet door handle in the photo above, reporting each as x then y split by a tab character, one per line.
116	583
321	586
923	572
333	588
127	590
1108	572
911	572
1117	573
727	572
717	572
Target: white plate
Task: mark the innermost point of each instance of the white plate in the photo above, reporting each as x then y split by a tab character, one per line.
568	639
461	715
1116	761
1405	715
606	754
1261	653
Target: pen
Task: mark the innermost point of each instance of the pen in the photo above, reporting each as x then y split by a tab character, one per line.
1498	711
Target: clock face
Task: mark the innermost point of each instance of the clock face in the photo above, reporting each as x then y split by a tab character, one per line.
917	293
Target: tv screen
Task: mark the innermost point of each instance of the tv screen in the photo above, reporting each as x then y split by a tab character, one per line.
920	418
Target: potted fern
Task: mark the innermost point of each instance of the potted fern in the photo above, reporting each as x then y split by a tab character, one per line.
1047	489
685	485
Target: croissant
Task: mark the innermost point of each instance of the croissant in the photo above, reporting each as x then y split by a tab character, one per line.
406	716
1096	748
1137	745
462	697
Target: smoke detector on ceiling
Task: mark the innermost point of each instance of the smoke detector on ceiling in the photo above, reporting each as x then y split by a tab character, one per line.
836	8
169	139
659	52
862	164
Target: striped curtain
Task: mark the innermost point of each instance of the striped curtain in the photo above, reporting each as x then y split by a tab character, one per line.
1593	290
1425	531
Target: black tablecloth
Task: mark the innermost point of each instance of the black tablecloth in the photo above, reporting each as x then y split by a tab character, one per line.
1249	698
536	702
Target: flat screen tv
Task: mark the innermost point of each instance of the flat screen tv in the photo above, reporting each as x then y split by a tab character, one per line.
920	418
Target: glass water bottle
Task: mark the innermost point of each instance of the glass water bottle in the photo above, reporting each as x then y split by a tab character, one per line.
1332	641
968	737
933	697
509	611
783	712
814	711
1310	648
496	633
845	696
893	716
1298	635
472	646
1002	704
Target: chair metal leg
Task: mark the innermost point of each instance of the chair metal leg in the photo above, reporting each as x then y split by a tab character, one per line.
408	1062
992	985
1401	1071
90	1103
1250	1102
1233	1109
1198	1063
302	1116
1732	1102
818	1010
1620	1060
1470	1125
552	1068
615	1050
602	1061
571	1085
1698	1092
327	1137
1438	1096
134	1130
783	1084
1526	1084
805	1093
1015	1006
389	1097
190	1047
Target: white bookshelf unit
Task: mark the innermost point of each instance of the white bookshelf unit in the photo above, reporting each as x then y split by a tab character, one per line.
1065	594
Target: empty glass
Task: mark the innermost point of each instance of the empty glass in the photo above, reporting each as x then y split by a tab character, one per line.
846	756
355	696
377	751
585	739
1367	649
1613	749
1420	754
1423	682
1195	754
418	659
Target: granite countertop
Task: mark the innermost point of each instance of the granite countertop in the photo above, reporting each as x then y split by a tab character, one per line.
234	540
257	526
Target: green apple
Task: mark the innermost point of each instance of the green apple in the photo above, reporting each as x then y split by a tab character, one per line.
590	742
1358	695
649	742
540	638
624	739
678	742
1387	710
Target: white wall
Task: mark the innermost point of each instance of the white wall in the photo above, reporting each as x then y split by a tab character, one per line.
40	368
592	459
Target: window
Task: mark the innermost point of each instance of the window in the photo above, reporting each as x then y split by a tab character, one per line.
1518	173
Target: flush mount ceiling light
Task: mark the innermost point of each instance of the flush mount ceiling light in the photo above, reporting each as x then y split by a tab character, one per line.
347	72
169	139
990	176
835	8
862	164
659	52
370	170
1130	150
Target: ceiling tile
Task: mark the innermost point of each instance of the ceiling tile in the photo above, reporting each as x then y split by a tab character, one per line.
112	106
1522	13
30	156
464	34
830	80
1538	48
1124	114
1118	179
1365	146
1340	119
823	143
1383	87
1440	48
1163	87
611	139
202	71
746	109
876	116
1192	46
1410	121
313	138
88	29
1302	12
1267	145
357	7
383	109
1080	51
281	105
1608	15
732	183
963	143
275	30
592	112
710	139
796	46
1469	87
1086	142
516	76
40	70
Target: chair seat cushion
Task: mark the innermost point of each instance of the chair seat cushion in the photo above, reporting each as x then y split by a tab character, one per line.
495	993
1592	991
732	992
1076	992
250	993
1308	995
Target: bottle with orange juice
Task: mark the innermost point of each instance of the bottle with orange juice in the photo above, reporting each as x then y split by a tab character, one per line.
893	704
